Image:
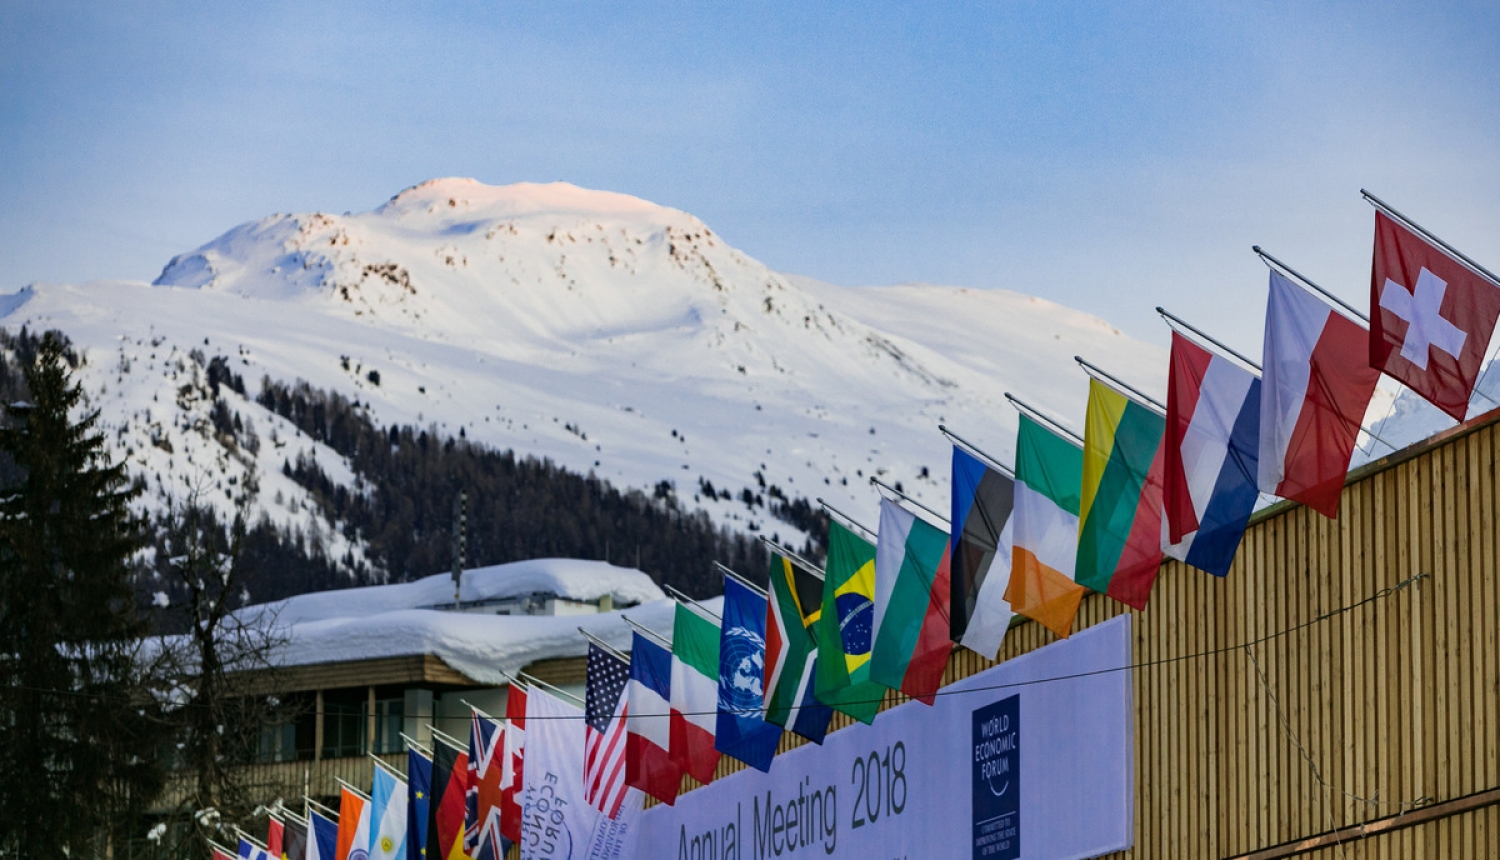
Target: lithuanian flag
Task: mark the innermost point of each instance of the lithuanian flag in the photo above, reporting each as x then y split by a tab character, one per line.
845	625
1119	530
1049	474
912	590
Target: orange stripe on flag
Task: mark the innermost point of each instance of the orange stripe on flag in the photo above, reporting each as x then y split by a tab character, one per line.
1042	594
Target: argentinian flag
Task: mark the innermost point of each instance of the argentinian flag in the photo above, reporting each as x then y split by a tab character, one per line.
388	814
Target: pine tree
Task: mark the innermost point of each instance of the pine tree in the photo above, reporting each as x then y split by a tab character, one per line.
78	735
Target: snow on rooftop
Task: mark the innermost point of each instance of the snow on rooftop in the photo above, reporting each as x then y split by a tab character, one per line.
572	579
405	619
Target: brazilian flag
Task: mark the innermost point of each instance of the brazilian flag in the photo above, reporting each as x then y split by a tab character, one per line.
845	627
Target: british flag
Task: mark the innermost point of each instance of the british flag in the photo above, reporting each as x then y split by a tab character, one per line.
482	840
604	744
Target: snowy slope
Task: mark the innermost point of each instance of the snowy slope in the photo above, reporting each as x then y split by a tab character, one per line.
599	330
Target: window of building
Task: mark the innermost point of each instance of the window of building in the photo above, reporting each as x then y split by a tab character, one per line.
388	725
343	728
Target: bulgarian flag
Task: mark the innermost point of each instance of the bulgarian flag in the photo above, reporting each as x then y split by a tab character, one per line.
1119	522
794	607
1049	475
846	625
911	604
695	693
649	765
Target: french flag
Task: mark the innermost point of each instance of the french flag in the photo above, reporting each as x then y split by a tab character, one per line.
649	765
1212	444
1317	384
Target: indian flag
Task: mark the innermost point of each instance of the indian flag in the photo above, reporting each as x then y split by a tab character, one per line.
694	693
911	604
1119	521
846	625
1049	475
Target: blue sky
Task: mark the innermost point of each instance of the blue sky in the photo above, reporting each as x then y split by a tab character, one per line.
1111	157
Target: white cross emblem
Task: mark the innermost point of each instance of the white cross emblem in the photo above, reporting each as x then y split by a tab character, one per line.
1424	325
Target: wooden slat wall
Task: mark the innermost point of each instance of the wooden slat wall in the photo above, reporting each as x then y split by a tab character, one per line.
1396	703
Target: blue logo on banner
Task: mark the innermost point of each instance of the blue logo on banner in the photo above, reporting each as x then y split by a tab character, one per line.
997	780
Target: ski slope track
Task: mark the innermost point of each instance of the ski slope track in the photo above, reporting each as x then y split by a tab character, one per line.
600	331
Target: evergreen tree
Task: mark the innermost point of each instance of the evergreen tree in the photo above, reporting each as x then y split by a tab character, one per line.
78	735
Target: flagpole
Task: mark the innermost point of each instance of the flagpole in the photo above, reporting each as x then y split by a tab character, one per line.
1173	321
226	851
1306	282
879	483
387	767
791	556
328	811
972	449
446	738
412	742
251	839
560	691
641	628
741	580
608	648
1037	414
683	598
1457	254
848	520
349	785
475	709
1114	381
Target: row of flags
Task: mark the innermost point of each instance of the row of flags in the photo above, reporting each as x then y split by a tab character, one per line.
1097	513
453	802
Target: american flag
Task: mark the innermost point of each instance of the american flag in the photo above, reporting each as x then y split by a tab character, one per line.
604	744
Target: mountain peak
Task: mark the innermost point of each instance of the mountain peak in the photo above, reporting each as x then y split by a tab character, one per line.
462	198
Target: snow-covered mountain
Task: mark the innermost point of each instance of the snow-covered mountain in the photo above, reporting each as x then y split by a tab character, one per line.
604	332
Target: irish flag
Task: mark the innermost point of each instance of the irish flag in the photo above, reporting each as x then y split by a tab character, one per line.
1049	476
846	627
694	693
1119	519
911	604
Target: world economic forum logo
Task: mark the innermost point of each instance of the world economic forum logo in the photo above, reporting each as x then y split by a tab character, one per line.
997	780
745	657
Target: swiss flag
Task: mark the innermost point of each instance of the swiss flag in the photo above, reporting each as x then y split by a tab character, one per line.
1431	317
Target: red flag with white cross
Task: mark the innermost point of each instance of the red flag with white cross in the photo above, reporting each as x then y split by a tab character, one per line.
1431	317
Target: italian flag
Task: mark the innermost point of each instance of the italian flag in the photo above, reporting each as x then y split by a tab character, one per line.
694	693
1119	529
1049	476
911	604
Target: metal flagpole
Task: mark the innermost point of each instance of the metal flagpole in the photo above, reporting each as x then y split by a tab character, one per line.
1174	321
1040	416
848	520
393	772
972	449
791	556
644	630
608	648
741	580
474	709
904	497
327	810
448	739
1115	382
560	691
1306	282
349	785
1452	251
683	598
412	742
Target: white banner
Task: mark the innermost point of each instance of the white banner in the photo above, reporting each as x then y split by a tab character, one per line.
1032	759
556	822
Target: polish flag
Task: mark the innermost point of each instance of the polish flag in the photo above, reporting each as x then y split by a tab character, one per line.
1431	317
1315	388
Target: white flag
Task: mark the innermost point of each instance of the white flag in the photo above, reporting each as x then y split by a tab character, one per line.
556	822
